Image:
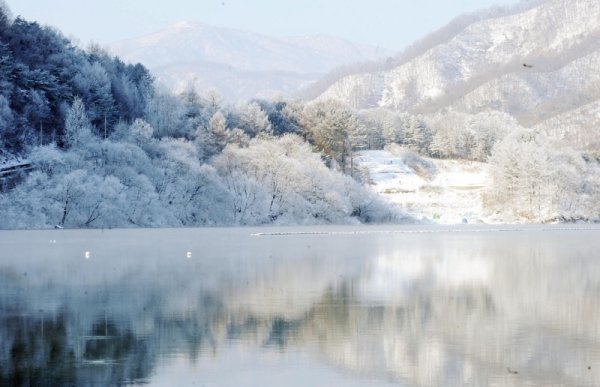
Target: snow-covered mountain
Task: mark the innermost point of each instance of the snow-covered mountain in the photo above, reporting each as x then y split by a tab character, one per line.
538	62
239	64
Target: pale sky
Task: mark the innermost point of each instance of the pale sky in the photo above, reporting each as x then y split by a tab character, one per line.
391	24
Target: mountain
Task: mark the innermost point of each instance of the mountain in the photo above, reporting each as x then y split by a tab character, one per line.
239	64
535	62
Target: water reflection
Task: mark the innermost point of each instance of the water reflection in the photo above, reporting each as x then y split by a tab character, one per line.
417	309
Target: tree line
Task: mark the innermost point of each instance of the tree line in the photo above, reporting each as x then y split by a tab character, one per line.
111	150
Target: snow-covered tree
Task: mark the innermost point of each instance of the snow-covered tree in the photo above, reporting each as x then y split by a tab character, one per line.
382	127
94	87
466	136
165	113
538	181
141	131
78	130
416	134
191	191
284	116
212	102
335	131
6	121
252	119
212	139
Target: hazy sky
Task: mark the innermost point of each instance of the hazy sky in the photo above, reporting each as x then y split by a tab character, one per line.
388	23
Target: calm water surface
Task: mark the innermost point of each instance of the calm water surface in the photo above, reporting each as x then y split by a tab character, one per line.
363	306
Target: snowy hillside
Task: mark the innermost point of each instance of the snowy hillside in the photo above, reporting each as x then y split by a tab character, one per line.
440	191
525	64
188	51
563	103
537	92
575	127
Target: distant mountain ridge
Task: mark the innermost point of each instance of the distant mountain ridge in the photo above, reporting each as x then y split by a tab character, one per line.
535	64
239	64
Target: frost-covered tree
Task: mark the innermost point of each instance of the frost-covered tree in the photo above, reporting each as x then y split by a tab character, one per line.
193	109
189	190
93	85
239	137
247	199
334	130
25	206
487	128
534	180
521	172
252	119
166	114
6	121
212	139
443	143
461	135
283	116
416	134
141	131
381	127
212	102
77	125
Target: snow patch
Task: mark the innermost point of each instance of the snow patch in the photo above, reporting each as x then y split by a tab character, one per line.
440	191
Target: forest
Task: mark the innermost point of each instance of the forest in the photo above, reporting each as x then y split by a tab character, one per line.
110	149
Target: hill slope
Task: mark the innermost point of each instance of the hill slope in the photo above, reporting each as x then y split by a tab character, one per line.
532	64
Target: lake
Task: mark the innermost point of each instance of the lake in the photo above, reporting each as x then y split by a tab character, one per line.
318	306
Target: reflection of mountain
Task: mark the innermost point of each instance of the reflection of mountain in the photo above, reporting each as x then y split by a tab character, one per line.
424	309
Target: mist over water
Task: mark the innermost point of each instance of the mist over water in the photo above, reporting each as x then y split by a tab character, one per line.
412	306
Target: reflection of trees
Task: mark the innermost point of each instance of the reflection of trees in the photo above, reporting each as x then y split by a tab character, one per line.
41	350
109	346
532	322
536	314
282	331
35	352
192	332
413	341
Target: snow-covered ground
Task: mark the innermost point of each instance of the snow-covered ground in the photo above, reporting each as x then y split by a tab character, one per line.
440	191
